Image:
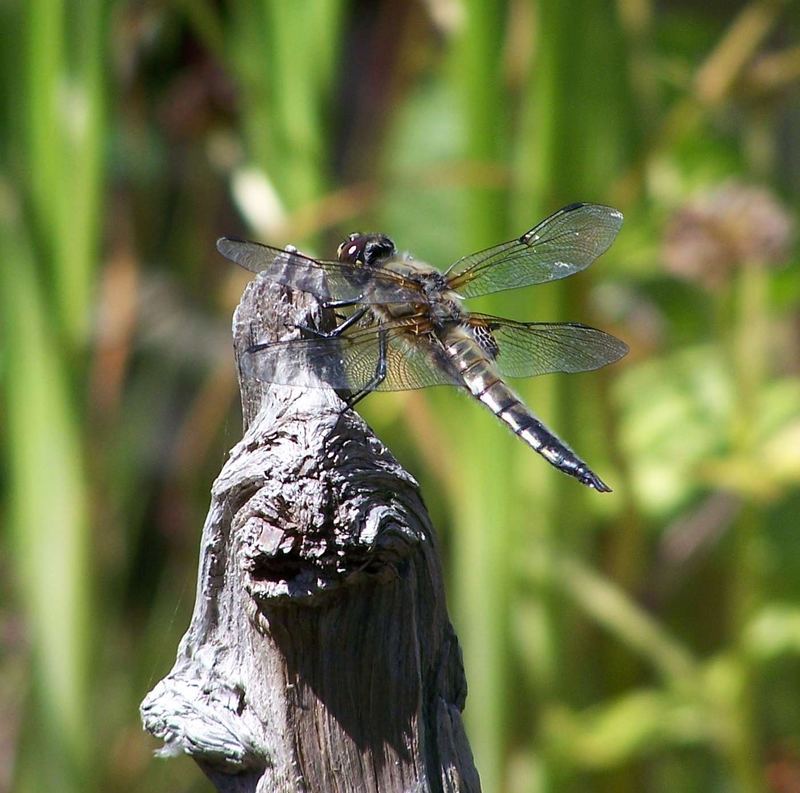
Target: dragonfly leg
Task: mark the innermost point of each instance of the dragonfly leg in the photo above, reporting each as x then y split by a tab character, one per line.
377	378
338	330
343	303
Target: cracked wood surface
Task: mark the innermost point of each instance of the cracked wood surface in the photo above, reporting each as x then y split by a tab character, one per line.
320	656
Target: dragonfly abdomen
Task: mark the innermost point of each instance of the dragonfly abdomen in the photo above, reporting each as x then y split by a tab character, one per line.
481	379
524	424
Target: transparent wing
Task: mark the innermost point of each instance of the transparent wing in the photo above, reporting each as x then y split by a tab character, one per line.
564	243
326	280
351	361
527	349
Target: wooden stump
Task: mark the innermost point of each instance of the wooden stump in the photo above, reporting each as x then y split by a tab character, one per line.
320	656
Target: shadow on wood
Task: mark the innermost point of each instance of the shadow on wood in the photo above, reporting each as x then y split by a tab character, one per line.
320	656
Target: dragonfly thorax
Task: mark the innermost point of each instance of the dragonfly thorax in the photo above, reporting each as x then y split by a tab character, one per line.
440	303
443	305
375	250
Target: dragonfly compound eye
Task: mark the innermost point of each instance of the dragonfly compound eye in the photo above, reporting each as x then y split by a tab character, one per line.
368	249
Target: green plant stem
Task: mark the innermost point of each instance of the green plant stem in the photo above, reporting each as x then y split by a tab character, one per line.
631	625
483	572
571	139
749	355
48	523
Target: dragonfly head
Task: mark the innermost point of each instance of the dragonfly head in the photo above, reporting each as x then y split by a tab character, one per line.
368	249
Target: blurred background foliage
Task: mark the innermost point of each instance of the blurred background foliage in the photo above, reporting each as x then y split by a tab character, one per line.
646	640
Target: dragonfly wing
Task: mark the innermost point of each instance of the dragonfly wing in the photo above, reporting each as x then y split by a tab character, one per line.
527	349
326	280
565	243
351	361
417	362
306	363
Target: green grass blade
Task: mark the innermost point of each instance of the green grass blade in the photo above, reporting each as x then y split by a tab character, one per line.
47	522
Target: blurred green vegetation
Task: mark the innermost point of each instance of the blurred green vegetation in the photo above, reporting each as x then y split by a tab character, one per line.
646	640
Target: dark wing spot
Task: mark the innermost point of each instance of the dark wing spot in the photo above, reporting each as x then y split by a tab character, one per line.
484	336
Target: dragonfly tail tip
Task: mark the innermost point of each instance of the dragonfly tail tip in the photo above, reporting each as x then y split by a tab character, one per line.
592	480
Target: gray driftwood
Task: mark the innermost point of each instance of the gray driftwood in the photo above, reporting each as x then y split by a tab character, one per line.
320	656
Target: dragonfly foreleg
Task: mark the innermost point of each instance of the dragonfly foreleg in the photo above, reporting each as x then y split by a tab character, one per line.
338	330
378	377
343	303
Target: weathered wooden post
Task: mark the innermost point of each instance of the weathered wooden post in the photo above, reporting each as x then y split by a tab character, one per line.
320	656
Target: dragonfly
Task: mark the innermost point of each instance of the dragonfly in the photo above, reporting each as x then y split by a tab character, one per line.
403	324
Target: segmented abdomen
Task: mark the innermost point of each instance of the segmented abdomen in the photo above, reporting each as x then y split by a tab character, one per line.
482	380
